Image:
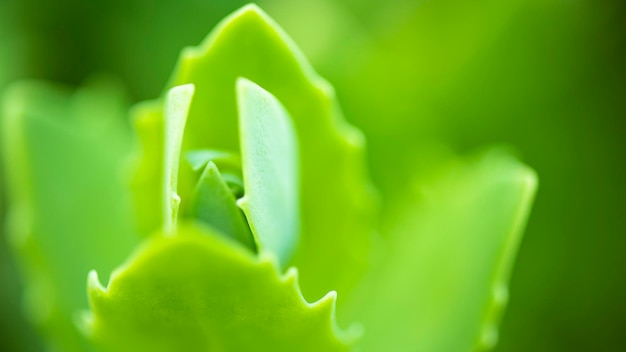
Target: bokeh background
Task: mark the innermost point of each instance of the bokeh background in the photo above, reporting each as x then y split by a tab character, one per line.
546	77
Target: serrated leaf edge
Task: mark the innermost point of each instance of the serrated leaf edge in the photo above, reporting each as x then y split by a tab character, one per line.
325	306
350	134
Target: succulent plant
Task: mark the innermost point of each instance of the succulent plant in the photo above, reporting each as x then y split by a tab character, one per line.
246	196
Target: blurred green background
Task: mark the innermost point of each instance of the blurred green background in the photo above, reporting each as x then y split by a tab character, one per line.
545	77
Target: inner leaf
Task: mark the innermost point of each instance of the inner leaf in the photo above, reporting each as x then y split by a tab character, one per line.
270	169
215	205
199	158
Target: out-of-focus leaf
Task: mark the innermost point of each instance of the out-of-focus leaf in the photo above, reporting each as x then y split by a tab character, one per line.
444	283
69	209
336	200
197	291
269	153
215	205
148	178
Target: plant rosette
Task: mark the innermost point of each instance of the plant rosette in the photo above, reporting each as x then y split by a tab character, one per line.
249	198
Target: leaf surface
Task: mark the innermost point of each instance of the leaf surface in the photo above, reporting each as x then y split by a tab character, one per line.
176	110
199	158
444	283
148	166
196	291
270	168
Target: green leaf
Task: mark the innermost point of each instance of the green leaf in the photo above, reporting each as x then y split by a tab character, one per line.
157	160
215	205
69	207
336	199
199	158
270	168
444	283
197	291
176	109
147	178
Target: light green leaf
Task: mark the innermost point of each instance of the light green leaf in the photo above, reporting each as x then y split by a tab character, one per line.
215	205
336	198
160	126
176	109
147	178
270	168
444	283
69	207
196	291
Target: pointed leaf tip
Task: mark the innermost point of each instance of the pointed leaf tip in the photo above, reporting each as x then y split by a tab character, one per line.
214	204
93	282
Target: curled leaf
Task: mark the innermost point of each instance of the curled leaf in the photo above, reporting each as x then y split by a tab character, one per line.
176	110
270	168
